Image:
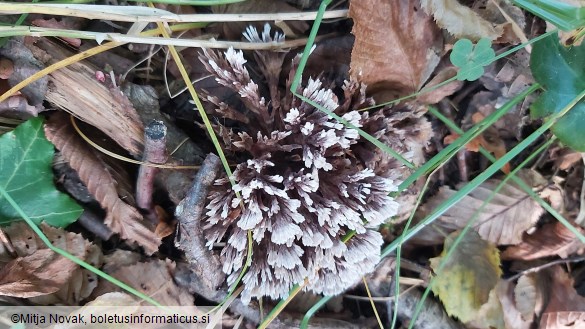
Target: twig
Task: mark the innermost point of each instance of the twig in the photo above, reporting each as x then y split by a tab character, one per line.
95	225
155	151
547	265
204	264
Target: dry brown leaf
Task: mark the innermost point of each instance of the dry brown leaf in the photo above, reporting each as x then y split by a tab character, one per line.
153	278
567	158
121	217
549	240
79	283
459	20
566	308
502	221
396	46
435	96
41	273
529	296
489	140
113	299
511	315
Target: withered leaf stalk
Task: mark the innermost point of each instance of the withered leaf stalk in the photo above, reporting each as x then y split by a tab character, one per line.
304	179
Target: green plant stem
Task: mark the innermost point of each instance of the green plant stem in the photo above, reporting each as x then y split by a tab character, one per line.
496	166
399	249
309	314
472	220
452	149
309	46
279	307
523	186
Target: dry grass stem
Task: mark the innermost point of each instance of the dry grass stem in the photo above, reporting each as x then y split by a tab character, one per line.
142	14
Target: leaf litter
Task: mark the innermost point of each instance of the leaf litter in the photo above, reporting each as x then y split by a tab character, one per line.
290	161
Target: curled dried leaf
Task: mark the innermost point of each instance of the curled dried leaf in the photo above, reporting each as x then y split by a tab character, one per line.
122	218
42	270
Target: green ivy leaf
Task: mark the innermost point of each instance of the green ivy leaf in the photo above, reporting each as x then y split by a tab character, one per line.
25	163
471	59
562	73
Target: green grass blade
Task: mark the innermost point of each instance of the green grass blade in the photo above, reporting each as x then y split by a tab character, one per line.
523	186
564	16
309	314
309	46
458	144
472	220
483	176
69	256
362	133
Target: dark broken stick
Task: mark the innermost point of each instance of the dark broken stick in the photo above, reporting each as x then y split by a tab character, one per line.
203	263
91	222
155	151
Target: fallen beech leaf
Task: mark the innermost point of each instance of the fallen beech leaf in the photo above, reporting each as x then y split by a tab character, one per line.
468	275
568	158
549	240
78	282
121	217
396	46
566	308
75	90
508	301
43	272
460	21
153	278
502	221
528	295
113	299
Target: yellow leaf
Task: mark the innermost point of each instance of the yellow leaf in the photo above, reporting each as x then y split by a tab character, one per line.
464	280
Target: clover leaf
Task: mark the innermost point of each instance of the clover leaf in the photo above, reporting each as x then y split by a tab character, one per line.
471	59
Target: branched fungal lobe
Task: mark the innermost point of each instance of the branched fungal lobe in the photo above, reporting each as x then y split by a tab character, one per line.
304	179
